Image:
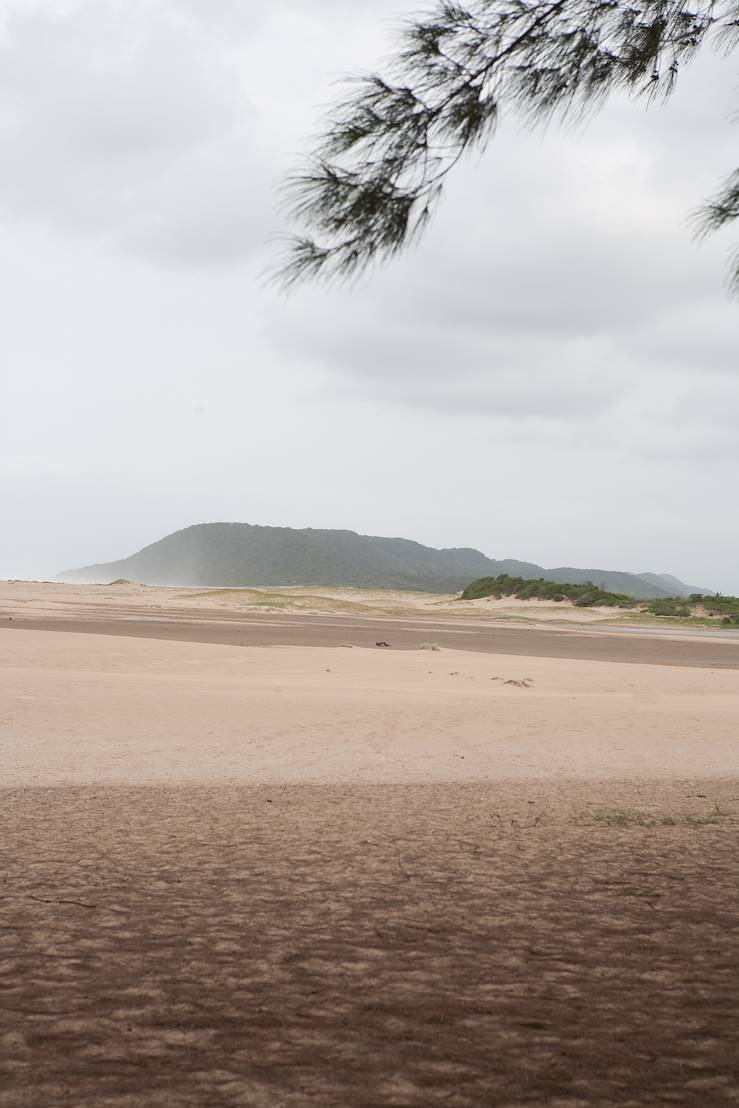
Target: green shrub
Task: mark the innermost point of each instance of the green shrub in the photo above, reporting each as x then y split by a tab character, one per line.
592	596
584	596
669	607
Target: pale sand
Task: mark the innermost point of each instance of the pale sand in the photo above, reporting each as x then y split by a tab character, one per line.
48	599
88	709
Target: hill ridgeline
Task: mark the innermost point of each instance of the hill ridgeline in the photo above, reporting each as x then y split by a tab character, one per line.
243	554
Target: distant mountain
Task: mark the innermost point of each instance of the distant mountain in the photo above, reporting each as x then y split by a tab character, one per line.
653	585
674	584
242	554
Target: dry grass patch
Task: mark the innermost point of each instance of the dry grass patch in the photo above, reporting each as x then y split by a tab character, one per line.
632	817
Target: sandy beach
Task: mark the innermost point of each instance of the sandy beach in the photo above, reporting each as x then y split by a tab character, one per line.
96	709
355	875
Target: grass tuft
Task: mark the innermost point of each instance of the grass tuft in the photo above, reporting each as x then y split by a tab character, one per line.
632	817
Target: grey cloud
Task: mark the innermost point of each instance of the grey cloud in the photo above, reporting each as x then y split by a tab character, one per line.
162	125
127	121
490	393
699	338
435	361
519	335
559	285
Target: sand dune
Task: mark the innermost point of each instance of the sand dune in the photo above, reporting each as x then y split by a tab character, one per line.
47	598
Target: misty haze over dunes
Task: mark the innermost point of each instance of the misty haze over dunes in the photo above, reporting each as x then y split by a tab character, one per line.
243	554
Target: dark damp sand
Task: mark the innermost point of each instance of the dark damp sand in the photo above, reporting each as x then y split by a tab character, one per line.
516	943
244	629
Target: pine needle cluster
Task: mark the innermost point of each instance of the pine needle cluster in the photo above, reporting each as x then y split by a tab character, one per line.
380	164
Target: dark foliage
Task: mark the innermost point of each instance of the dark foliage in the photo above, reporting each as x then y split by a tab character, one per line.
380	165
583	596
591	596
669	607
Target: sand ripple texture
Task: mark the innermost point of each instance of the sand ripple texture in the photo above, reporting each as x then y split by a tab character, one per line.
506	944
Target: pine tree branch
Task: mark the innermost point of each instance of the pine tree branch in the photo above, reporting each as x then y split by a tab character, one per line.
379	168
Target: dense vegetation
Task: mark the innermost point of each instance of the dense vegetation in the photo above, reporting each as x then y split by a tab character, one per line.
584	596
591	596
670	607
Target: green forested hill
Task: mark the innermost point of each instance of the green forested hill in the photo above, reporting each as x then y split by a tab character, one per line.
243	554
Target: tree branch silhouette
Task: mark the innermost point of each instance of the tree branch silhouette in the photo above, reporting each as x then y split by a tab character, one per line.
379	167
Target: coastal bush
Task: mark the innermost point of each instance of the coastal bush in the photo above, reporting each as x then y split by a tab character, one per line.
590	595
669	607
583	596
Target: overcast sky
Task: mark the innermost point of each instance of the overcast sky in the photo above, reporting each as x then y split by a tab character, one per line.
552	374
